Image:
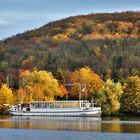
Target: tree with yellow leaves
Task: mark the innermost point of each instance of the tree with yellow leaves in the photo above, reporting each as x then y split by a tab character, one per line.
131	96
110	96
59	37
88	79
39	85
6	95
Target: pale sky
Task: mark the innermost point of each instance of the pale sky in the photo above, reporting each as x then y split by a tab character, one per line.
17	16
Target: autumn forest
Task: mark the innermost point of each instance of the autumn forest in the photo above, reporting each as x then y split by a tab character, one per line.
99	52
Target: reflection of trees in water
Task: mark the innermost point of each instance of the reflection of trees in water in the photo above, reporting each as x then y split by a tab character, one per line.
107	124
4	123
113	127
121	124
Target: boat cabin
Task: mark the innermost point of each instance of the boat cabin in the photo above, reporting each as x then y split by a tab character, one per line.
43	105
60	104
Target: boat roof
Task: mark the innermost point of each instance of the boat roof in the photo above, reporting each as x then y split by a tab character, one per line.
59	101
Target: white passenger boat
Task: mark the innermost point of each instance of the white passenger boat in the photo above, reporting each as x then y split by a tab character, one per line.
81	108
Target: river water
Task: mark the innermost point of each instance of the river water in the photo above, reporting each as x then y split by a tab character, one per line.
69	128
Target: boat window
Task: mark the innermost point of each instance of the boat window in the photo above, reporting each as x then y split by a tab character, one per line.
36	105
83	104
61	104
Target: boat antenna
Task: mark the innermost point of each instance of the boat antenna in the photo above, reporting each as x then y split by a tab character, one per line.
79	91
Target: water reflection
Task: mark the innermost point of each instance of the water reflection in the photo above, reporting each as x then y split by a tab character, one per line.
52	123
121	124
106	124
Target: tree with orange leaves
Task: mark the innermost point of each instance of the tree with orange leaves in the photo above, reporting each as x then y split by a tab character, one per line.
63	89
20	95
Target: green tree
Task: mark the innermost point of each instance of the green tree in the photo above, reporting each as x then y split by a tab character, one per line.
131	96
109	98
60	76
4	66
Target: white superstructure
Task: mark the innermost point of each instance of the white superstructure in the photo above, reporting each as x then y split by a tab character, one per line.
56	108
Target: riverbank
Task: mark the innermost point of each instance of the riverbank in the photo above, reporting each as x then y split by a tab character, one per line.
22	134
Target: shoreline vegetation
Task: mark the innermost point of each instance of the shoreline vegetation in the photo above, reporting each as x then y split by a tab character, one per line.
114	98
96	54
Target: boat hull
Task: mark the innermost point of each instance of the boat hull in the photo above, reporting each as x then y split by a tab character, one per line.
78	113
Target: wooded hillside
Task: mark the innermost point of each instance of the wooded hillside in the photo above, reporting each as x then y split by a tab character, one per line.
107	43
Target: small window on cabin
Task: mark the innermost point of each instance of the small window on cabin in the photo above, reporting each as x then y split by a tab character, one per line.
36	105
43	105
82	104
50	105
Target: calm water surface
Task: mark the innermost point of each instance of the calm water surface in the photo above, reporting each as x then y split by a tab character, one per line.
84	124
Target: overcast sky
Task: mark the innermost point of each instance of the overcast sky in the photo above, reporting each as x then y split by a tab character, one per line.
17	16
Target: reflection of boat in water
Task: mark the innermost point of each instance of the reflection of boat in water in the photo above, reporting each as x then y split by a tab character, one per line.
52	123
58	123
57	119
81	108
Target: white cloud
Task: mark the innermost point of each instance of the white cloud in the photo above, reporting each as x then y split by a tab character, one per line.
2	22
